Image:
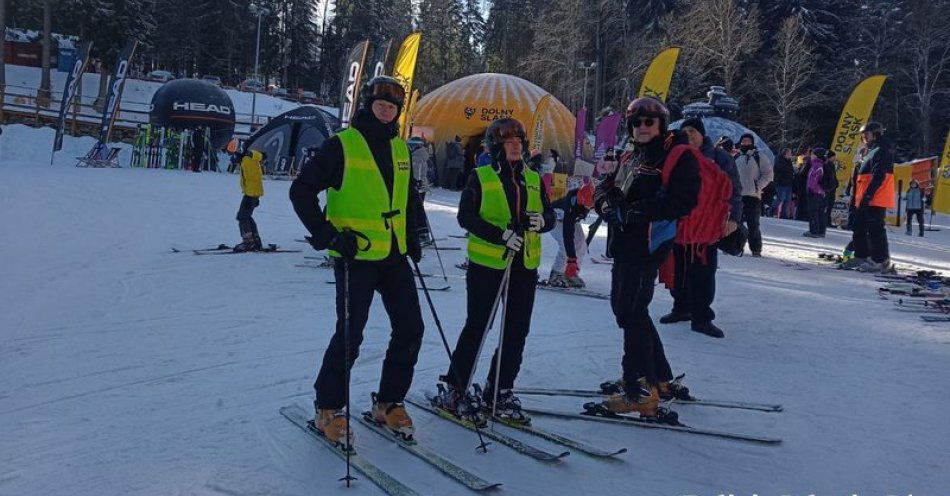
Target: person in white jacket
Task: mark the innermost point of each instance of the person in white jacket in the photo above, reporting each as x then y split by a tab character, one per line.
755	173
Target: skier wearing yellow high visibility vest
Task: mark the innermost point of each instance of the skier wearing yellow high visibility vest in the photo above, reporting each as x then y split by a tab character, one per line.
504	208
369	228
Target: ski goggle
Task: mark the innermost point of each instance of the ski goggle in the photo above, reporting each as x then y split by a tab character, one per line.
391	92
510	129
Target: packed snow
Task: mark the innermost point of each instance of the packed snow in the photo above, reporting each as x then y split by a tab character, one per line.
127	369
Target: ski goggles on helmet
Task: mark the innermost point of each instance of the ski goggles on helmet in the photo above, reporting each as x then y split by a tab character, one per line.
391	92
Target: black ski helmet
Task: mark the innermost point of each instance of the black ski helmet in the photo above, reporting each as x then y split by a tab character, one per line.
499	131
383	88
647	106
873	127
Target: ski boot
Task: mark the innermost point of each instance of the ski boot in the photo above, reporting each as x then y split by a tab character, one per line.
507	409
464	406
612	387
250	243
331	424
393	416
574	282
853	263
707	328
557	279
674	390
646	401
873	267
674	317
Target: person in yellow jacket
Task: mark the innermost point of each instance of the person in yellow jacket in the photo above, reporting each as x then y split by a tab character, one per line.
370	228
504	208
252	185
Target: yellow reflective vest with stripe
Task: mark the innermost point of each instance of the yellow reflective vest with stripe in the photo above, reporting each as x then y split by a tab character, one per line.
494	209
363	202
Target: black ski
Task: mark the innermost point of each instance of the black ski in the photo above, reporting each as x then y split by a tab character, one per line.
589	393
573	291
271	248
512	443
387	483
559	439
652	424
448	468
220	247
935	318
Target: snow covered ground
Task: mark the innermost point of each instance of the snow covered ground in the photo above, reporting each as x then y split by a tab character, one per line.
126	369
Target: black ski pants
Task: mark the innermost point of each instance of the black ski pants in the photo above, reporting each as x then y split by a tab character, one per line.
919	214
751	211
695	283
817	216
869	234
631	292
244	216
482	284
394	281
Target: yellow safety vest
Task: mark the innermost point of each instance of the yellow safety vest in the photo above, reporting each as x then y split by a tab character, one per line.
363	203
495	210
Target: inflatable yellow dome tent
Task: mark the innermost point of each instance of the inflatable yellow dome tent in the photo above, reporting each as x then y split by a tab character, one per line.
465	107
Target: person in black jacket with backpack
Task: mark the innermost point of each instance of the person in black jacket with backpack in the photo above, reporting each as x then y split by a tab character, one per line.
632	200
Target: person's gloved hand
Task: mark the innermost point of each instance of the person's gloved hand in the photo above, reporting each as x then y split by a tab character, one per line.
572	269
614	206
345	244
513	241
535	222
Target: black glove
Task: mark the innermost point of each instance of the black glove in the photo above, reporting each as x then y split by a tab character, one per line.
614	207
345	244
414	251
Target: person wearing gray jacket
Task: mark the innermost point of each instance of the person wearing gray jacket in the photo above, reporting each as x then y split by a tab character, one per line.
914	202
755	173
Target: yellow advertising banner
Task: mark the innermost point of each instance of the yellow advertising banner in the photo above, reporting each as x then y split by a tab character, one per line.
941	201
656	81
536	128
410	111
945	158
405	69
854	115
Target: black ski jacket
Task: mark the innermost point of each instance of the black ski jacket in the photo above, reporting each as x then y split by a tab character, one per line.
325	170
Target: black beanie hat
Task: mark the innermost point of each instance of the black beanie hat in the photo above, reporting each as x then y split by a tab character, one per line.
695	123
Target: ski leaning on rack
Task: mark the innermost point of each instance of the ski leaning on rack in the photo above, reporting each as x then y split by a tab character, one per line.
386	482
510	442
563	441
448	468
589	393
602	415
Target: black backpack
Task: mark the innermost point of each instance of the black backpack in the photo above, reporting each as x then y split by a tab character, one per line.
829	177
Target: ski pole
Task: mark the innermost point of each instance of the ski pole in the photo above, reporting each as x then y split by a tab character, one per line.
346	350
436	248
501	341
445	343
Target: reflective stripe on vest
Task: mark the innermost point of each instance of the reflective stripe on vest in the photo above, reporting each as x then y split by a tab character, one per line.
363	202
885	196
495	210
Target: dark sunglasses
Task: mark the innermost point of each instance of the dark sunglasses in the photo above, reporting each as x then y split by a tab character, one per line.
645	121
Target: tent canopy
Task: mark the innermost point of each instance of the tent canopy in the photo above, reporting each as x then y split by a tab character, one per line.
284	139
465	107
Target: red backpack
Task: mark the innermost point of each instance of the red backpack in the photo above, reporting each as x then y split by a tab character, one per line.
703	225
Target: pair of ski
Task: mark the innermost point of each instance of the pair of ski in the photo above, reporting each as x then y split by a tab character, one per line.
386	482
935	318
519	446
223	249
599	415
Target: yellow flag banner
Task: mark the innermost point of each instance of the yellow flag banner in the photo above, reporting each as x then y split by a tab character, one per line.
405	68
537	123
656	81
854	115
410	111
945	158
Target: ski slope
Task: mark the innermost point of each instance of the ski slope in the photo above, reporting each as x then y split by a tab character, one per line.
126	369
